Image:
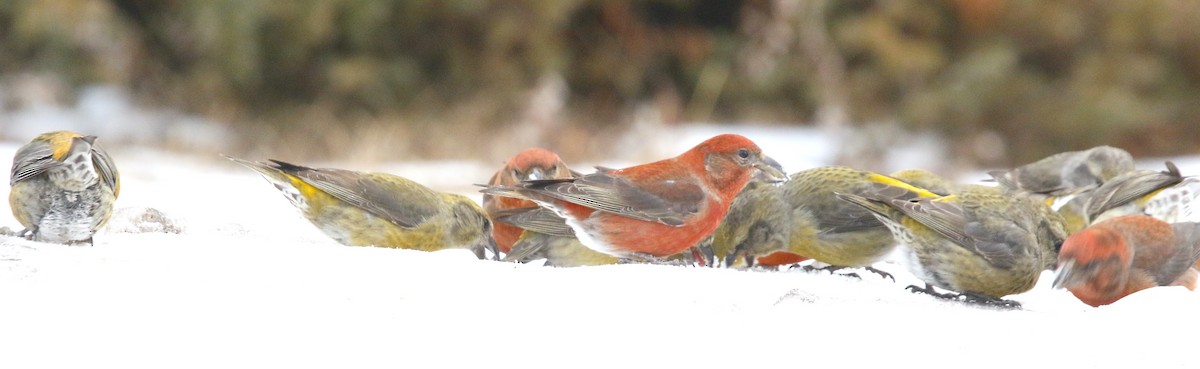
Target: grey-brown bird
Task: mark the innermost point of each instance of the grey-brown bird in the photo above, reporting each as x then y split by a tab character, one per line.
982	242
64	186
1068	172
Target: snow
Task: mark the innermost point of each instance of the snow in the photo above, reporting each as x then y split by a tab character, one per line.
230	275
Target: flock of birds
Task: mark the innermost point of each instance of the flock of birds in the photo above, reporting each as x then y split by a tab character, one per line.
1106	228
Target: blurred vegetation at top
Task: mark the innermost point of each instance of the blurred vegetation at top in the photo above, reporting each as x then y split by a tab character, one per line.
1043	76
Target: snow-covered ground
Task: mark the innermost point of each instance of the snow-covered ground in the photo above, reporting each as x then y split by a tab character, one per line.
247	282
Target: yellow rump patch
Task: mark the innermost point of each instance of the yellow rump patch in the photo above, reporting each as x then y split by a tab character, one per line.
60	142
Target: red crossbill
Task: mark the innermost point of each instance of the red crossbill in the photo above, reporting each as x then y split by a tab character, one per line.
1114	258
981	242
63	187
1068	172
836	232
529	164
379	209
652	210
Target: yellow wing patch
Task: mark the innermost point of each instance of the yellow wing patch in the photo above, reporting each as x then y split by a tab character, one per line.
879	178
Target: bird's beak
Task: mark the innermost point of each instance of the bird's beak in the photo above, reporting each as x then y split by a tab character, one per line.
1067	277
769	171
490	245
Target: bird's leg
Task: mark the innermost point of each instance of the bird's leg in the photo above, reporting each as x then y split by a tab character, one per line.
27	233
880	273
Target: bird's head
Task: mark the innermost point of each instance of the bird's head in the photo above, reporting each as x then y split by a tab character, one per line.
1095	259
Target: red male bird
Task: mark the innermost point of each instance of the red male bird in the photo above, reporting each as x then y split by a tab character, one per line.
529	164
1119	256
652	210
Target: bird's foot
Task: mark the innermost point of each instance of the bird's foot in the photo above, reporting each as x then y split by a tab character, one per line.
87	242
832	269
970	298
880	273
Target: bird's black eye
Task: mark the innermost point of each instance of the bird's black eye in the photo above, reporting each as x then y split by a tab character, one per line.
554	168
1058	246
743	153
516	173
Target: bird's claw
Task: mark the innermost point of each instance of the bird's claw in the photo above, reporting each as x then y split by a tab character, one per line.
881	273
965	297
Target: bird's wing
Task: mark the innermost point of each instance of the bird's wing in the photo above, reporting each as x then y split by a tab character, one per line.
670	202
1187	251
993	238
31	160
402	202
106	168
528	248
848	217
1130	186
537	219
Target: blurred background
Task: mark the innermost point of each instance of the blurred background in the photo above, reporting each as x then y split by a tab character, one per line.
986	82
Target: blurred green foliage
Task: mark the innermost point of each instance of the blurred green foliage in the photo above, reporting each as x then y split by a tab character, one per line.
1047	76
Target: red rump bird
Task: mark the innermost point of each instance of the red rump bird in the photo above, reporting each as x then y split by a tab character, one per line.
1117	257
529	164
657	209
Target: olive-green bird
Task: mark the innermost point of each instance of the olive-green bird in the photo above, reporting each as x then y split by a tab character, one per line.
63	187
758	223
547	236
1068	172
836	232
981	242
379	209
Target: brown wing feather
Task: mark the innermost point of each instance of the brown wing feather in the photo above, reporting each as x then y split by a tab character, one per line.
31	160
403	202
670	203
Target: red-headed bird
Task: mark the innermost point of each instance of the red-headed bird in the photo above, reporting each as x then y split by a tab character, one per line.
529	164
657	209
1119	256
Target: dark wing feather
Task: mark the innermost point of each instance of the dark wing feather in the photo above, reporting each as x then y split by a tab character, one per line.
31	160
403	202
535	219
945	218
1129	187
670	203
106	168
994	239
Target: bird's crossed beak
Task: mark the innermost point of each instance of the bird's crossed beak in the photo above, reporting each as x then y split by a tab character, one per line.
1067	276
489	245
769	171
